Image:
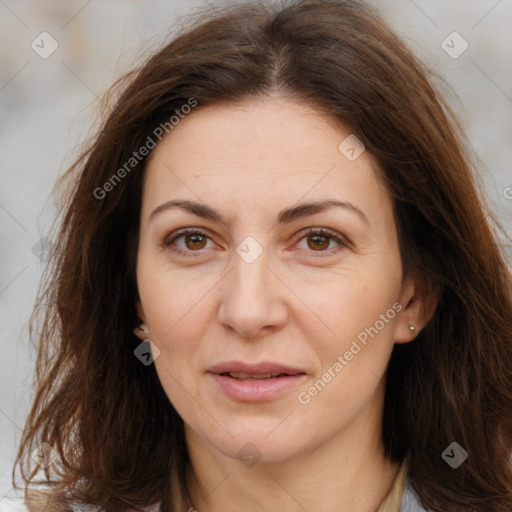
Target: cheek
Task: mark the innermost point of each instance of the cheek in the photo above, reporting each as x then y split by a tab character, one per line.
177	319
349	304
176	311
353	358
175	301
353	337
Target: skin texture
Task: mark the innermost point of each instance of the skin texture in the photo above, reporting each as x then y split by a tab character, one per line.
300	303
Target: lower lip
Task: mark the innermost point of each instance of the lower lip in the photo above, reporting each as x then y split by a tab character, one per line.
256	390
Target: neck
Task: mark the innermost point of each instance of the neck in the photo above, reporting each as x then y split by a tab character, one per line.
347	473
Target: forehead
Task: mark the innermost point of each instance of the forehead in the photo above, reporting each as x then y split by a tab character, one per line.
260	153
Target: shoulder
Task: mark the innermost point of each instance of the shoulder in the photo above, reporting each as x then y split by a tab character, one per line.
410	500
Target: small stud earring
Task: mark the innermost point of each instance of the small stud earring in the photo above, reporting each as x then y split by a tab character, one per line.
139	328
411	329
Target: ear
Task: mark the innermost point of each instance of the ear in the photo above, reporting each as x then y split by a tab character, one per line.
141	330
419	299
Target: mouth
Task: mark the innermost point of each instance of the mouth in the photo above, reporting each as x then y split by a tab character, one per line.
255	382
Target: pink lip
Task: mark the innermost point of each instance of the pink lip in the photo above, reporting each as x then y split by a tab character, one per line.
255	390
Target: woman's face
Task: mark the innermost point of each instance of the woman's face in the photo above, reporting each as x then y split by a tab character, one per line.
275	321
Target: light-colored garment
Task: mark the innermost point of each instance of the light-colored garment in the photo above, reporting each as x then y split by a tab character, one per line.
410	500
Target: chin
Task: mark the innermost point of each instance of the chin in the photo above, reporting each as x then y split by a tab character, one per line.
260	443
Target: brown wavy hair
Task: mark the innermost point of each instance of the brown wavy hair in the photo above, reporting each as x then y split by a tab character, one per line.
117	436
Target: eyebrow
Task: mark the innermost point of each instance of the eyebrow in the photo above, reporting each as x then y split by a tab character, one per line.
284	217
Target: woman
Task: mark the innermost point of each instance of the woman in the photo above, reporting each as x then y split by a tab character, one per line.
276	286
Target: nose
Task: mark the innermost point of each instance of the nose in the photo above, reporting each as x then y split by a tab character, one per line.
253	301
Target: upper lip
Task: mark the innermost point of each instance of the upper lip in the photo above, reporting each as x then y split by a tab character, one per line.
256	369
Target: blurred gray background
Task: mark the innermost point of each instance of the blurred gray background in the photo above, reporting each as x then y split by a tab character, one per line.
59	56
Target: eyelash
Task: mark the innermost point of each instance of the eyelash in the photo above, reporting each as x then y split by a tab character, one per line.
308	232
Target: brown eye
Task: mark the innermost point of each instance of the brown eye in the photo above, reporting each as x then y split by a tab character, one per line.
195	241
318	242
187	241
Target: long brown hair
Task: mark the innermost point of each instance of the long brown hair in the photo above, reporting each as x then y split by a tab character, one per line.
117	436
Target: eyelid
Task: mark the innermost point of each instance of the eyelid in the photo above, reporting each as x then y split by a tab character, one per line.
184	231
